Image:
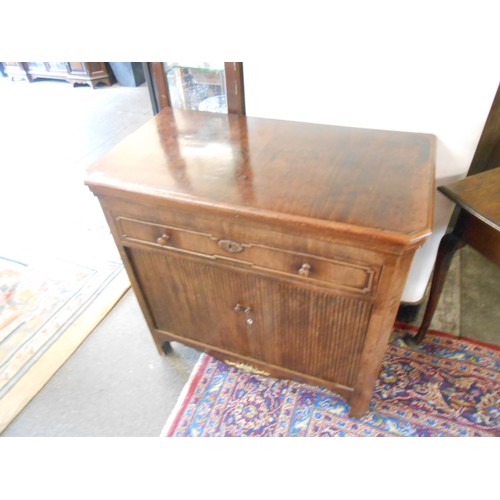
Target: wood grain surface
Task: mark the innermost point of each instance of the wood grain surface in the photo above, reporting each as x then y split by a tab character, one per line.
373	180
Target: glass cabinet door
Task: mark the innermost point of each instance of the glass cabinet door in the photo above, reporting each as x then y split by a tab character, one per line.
57	66
197	86
202	86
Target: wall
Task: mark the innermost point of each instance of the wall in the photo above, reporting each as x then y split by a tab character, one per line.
426	69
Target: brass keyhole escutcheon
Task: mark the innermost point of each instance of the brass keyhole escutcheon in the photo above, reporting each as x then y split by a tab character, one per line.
230	246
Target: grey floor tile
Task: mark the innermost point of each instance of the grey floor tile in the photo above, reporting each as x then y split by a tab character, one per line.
447	317
479	297
115	384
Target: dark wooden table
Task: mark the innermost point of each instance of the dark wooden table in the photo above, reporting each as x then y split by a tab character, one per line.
478	225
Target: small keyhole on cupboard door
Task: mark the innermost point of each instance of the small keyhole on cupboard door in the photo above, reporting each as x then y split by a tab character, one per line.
246	310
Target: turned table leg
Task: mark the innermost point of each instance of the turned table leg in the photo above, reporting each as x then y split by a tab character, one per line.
450	243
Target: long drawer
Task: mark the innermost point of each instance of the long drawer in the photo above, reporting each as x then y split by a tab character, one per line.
329	272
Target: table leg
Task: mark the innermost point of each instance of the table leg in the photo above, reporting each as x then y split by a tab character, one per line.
449	244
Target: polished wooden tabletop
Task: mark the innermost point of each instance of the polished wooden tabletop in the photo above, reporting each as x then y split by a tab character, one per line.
380	180
479	194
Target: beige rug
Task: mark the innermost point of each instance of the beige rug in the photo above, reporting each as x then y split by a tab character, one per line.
47	309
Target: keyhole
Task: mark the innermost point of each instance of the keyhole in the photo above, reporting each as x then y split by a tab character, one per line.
246	310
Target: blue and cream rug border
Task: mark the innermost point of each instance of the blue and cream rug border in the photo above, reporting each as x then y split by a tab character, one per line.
47	308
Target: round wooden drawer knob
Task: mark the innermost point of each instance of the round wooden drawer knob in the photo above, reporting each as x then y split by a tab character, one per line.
163	239
305	269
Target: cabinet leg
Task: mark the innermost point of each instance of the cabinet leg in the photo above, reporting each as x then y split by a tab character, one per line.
450	243
166	347
359	403
163	346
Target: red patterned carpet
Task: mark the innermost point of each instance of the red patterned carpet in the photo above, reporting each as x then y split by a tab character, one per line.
444	387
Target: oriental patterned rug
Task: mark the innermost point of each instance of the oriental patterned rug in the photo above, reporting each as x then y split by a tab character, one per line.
444	387
47	309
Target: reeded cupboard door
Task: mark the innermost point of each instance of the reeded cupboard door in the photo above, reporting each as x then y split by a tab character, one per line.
192	299
308	330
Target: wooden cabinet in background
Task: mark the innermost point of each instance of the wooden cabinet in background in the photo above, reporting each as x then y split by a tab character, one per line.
90	73
281	246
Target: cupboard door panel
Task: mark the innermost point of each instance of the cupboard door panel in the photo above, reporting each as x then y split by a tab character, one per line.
306	330
195	300
314	332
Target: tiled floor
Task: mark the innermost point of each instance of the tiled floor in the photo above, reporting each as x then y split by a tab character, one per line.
469	305
116	384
